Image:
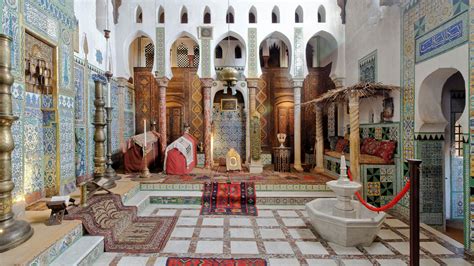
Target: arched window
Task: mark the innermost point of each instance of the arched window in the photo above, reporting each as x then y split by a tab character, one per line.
184	15
182	59
218	52
139	15
196	56
275	15
149	54
161	15
321	14
207	16
299	15
238	52
253	15
229	18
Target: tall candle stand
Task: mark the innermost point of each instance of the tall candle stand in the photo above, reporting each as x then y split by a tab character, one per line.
12	232
145	171
109	171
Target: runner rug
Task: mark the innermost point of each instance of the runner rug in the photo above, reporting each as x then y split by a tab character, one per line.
122	229
214	262
230	198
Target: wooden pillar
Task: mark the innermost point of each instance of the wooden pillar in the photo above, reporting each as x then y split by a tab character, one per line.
414	170
162	85
319	141
206	84
354	136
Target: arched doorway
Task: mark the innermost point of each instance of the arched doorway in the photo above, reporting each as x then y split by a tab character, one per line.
441	121
275	61
229	125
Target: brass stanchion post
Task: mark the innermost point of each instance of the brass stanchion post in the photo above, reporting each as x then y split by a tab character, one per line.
12	232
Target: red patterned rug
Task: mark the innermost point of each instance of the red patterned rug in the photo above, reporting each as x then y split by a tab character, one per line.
230	198
123	230
214	262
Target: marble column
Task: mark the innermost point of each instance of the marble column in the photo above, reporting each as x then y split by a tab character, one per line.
354	136
252	84
297	85
319	140
206	84
162	85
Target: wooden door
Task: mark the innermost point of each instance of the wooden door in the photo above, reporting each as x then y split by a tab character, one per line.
174	123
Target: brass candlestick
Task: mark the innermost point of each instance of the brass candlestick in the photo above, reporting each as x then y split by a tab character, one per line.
145	171
109	171
99	134
12	232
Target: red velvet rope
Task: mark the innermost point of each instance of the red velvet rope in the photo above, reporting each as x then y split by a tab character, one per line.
389	205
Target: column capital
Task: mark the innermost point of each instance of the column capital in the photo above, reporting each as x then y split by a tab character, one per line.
253	82
162	81
297	83
206	82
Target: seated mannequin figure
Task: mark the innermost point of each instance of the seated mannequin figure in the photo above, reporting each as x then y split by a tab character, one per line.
232	160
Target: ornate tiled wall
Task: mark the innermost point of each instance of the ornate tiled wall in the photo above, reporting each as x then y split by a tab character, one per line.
229	131
423	20
368	67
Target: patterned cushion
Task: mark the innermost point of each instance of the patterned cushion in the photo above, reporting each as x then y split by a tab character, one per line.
341	145
386	150
369	146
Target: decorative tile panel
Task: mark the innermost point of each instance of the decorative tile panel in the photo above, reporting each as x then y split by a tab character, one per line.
205	58
252	53
160	57
229	131
449	35
368	68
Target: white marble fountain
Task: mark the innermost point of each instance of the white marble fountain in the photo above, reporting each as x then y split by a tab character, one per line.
342	220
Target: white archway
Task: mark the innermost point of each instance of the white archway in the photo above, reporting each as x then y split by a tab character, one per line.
324	48
272	39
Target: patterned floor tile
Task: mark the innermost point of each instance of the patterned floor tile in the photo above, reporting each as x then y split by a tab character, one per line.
241	233
265	213
190	213
240	222
357	263
395	223
293	222
133	261
187	221
378	249
160	261
288	214
271	233
402	247
299	233
267	222
243	247
211	233
387	234
321	262
435	248
209	247
311	248
177	246
284	262
457	262
278	247
391	262
213	222
183	232
428	262
340	250
166	213
406	232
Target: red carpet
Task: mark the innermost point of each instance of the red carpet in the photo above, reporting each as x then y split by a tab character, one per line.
229	199
214	262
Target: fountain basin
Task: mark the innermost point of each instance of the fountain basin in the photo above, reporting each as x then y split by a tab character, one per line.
347	232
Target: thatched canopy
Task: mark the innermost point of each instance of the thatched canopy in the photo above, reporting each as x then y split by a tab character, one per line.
361	89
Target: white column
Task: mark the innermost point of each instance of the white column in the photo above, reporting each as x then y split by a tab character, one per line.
297	85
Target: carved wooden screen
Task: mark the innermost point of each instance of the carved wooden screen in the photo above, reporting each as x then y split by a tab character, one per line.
146	98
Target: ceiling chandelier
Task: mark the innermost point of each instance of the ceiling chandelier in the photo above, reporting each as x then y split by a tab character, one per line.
229	75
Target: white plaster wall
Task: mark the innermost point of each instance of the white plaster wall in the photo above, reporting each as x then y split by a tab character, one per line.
85	12
127	28
371	27
430	76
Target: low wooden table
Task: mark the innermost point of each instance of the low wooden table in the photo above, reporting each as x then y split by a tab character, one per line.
282	157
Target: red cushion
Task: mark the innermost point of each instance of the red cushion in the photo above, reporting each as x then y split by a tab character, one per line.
386	150
371	146
341	144
363	146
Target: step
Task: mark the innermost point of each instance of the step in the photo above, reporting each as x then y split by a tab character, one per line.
85	251
258	187
144	198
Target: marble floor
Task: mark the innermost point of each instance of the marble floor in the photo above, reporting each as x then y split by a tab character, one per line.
283	236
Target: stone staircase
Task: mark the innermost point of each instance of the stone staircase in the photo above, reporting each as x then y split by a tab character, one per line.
84	251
